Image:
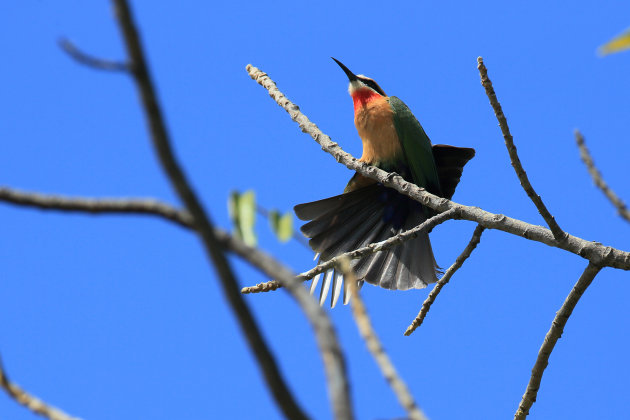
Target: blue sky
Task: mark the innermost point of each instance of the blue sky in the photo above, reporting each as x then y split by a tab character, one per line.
122	317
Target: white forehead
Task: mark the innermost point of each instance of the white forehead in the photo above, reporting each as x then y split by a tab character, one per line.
358	84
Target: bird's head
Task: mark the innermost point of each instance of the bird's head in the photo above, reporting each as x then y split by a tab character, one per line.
361	88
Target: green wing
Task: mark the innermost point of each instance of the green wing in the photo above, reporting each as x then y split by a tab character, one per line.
416	147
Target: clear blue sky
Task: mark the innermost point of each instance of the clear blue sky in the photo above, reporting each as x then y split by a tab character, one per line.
122	317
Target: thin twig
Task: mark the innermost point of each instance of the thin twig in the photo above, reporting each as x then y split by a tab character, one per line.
129	206
359	253
554	333
140	206
328	343
29	401
97	205
472	244
593	251
375	346
88	60
621	207
201	219
558	233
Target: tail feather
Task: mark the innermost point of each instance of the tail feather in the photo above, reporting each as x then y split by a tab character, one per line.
347	293
450	161
348	238
336	288
403	275
328	220
325	286
341	236
421	264
375	267
385	278
314	282
368	215
360	266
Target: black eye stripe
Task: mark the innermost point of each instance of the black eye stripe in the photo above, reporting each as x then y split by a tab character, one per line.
371	83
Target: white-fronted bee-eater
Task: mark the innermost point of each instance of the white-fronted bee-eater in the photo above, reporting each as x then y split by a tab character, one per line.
368	212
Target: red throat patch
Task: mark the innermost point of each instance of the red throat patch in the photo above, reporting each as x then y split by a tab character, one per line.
361	97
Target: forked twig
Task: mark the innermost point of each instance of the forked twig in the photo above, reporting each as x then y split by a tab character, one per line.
375	346
472	244
621	207
558	233
554	333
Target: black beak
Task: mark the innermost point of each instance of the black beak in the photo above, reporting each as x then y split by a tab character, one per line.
351	76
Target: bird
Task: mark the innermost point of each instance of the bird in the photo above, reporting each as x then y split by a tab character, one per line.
368	212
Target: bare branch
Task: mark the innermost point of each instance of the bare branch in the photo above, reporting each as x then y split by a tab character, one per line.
554	333
91	61
96	206
558	233
325	334
267	286
375	346
472	244
599	179
359	253
201	219
140	206
592	251
29	401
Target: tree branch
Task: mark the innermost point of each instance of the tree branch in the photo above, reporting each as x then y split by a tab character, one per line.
145	206
554	333
29	401
359	253
472	244
558	233
96	206
334	363
599	179
375	346
592	251
201	219
91	61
